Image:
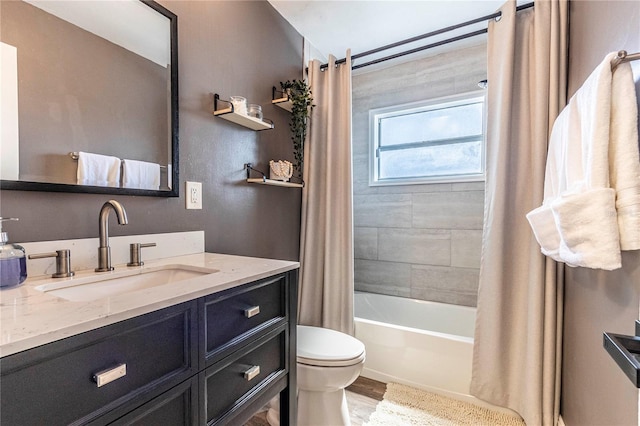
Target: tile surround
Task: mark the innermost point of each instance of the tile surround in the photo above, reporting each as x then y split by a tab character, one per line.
440	278
448	210
383	277
421	241
422	246
385	211
365	243
465	248
468	186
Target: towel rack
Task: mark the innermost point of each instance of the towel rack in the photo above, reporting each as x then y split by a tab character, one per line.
74	156
623	56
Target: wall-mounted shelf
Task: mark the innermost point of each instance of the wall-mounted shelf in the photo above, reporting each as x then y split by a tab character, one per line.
625	351
282	100
265	181
229	114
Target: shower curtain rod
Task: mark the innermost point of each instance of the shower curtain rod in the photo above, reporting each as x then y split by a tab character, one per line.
423	36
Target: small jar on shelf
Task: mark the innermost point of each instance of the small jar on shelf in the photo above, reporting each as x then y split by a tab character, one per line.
255	111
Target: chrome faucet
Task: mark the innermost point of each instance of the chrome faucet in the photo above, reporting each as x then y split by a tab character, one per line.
104	251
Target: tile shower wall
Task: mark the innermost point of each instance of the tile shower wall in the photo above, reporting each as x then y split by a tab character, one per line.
418	241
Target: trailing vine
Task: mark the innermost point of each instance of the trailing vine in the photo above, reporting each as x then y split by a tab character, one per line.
301	97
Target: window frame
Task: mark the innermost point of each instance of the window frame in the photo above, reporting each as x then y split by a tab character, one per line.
375	115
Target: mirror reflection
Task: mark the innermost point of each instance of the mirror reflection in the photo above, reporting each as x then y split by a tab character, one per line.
86	95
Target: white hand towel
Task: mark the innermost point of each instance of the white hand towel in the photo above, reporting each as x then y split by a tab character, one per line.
140	175
588	229
98	170
546	231
624	158
593	102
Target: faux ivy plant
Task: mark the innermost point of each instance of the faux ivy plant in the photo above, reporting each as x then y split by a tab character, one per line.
299	94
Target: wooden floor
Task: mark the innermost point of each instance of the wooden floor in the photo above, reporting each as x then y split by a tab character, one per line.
362	397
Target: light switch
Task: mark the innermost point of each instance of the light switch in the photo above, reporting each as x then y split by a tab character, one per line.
193	195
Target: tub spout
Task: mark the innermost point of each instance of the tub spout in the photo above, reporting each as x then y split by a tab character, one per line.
104	251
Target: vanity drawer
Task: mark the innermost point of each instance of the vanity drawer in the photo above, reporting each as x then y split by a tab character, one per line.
176	407
230	318
55	383
233	381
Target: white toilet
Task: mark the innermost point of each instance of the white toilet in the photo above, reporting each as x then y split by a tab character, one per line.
328	362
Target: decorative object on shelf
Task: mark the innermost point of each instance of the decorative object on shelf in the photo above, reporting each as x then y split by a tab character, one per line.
264	181
239	104
299	93
231	114
282	100
280	170
255	111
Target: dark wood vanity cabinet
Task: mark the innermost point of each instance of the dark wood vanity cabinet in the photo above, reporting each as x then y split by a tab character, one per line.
54	383
215	360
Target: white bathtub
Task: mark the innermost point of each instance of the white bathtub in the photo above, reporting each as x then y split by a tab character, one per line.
427	345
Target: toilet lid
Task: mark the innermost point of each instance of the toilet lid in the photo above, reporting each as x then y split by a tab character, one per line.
325	347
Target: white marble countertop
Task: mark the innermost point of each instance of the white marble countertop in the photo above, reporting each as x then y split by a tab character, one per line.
30	317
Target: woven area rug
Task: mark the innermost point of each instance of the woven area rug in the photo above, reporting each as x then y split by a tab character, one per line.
406	406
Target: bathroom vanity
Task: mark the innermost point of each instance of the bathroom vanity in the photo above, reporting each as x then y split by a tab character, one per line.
212	349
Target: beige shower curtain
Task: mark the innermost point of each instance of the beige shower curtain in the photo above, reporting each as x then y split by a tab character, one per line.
517	352
326	246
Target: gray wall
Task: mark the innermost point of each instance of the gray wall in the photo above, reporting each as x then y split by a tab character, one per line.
418	241
228	47
594	389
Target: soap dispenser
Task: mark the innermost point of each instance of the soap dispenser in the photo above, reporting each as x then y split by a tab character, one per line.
13	262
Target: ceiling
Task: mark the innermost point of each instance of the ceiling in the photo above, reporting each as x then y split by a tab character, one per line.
332	27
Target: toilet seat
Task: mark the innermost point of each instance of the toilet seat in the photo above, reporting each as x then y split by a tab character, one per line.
323	347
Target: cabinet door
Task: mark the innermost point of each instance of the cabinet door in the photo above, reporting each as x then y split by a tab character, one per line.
178	406
55	384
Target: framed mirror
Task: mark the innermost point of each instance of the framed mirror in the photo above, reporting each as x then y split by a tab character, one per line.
89	97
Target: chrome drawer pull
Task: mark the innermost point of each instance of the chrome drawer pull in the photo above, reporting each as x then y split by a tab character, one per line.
252	372
108	376
251	312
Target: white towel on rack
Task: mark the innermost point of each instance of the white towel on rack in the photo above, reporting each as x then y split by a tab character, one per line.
624	157
588	229
592	183
140	175
98	170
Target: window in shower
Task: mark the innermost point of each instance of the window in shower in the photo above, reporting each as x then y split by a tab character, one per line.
439	140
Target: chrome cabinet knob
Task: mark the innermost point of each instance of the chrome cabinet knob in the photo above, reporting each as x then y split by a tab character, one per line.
251	373
252	311
107	376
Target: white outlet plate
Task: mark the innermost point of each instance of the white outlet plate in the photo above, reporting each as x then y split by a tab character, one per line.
193	195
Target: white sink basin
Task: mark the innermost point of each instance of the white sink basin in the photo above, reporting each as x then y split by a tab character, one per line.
101	285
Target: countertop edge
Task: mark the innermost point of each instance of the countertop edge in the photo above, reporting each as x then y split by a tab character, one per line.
91	315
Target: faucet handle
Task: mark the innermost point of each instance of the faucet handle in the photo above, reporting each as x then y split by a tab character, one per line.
134	251
63	262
